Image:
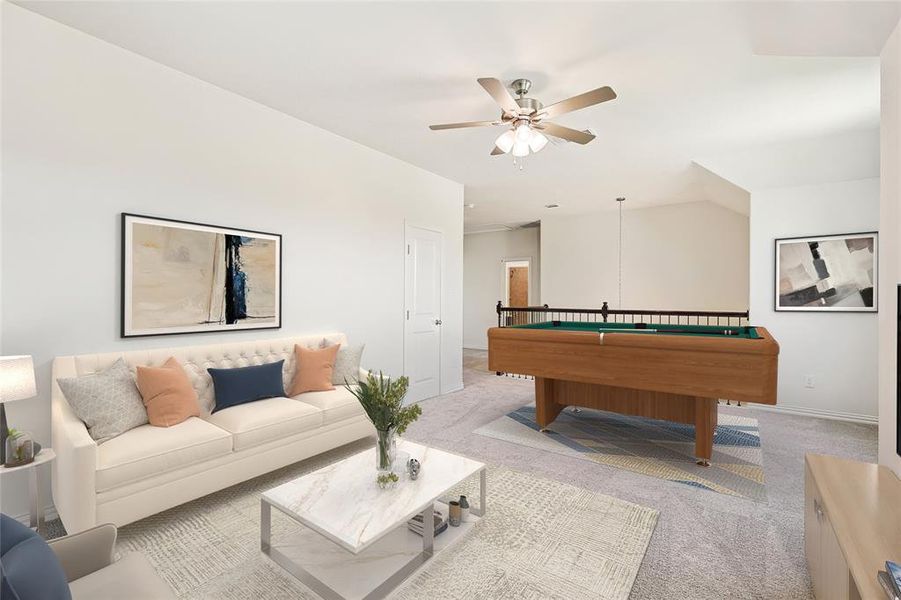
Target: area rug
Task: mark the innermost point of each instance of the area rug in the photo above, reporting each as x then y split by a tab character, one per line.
539	539
647	446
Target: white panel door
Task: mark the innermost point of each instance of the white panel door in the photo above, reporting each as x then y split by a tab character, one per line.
422	316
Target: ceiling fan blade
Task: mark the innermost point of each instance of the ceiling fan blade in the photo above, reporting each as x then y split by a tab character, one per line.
463	125
602	94
565	133
500	94
497	151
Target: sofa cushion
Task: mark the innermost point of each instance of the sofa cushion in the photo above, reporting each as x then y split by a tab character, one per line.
28	567
168	394
336	405
108	401
347	365
266	420
147	451
130	577
247	384
314	369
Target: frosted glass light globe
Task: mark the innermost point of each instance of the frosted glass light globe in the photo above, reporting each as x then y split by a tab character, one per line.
538	141
520	149
505	141
523	132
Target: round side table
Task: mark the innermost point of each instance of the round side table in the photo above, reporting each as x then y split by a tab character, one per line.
37	510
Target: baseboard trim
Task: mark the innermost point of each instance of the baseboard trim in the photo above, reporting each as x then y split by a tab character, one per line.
50	514
833	415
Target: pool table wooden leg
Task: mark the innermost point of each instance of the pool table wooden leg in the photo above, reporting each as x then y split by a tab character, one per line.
705	426
546	406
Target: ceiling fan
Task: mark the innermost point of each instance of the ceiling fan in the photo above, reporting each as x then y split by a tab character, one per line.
525	118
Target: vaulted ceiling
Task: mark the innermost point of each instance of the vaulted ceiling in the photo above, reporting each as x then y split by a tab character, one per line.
697	82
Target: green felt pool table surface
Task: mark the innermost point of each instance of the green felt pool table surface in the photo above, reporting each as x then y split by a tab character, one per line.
747	332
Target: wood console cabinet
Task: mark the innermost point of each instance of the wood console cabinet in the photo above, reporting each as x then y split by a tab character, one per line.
852	525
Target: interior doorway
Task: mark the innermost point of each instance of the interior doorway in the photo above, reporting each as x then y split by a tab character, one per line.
517	282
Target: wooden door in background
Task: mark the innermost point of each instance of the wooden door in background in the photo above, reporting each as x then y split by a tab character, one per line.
519	286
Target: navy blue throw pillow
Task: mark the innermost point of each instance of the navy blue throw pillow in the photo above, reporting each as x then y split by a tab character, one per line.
29	569
246	384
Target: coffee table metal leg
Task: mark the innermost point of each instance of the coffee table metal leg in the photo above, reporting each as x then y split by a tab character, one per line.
428	543
265	525
428	530
483	491
286	563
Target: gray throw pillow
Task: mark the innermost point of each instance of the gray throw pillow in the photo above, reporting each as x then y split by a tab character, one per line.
108	402
347	365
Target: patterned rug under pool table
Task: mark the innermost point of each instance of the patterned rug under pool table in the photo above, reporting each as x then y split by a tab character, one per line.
648	446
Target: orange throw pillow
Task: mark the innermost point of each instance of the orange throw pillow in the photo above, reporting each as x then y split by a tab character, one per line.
314	369
168	394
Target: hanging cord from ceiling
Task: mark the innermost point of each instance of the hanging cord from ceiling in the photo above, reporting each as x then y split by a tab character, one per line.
620	201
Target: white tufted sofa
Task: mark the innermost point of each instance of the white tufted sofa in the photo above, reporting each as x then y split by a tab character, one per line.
150	469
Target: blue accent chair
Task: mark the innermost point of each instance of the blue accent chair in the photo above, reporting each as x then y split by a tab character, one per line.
78	566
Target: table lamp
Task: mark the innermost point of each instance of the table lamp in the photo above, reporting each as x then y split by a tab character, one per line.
16	383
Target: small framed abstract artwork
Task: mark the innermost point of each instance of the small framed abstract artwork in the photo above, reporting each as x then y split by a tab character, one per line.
182	277
830	273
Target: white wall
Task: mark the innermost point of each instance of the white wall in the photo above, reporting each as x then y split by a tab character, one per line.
837	349
91	130
679	256
890	232
484	278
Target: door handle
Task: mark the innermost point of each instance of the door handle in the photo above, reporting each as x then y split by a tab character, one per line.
437	321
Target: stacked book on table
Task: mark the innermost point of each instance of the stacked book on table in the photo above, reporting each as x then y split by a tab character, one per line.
439	517
890	580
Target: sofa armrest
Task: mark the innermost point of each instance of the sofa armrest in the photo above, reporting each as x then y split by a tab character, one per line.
364	373
75	467
83	553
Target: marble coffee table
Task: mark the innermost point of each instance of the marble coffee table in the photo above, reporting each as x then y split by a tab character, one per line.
370	550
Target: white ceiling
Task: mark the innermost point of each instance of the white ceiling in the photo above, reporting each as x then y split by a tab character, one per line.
695	80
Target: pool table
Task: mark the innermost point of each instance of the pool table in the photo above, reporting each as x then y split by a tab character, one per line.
671	372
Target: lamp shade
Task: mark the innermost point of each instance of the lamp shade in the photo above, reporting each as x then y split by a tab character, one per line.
16	378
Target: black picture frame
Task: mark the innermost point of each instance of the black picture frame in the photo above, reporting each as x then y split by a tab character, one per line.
125	294
826	309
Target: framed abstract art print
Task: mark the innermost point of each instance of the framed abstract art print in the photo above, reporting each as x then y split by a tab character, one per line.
182	277
829	273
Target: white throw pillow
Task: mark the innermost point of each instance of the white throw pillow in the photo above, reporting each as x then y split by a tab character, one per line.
108	402
347	365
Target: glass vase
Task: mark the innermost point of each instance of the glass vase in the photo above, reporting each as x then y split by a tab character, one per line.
385	449
19	449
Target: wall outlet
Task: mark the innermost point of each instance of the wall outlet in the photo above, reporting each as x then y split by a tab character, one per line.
808	382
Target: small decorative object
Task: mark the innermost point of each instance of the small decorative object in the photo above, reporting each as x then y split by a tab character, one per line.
387	480
413	468
464	508
438	520
19	448
827	273
400	461
454	513
383	401
180	277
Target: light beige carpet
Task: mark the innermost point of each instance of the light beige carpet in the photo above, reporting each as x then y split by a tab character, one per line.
541	539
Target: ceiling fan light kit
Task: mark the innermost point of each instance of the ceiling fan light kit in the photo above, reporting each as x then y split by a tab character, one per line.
526	116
